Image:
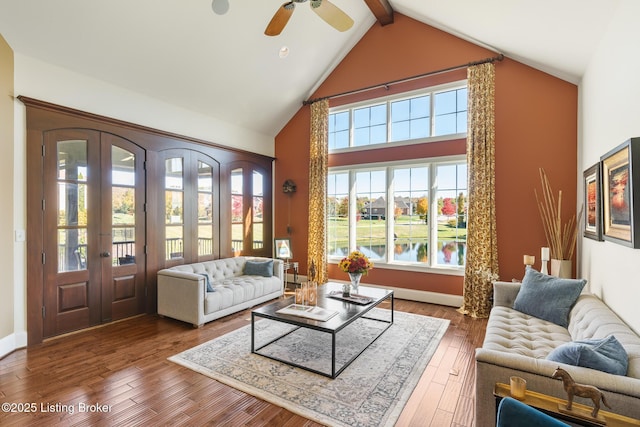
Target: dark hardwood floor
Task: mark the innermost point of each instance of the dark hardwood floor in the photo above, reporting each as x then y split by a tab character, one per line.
124	365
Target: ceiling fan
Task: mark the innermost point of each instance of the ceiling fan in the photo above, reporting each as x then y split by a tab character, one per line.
326	10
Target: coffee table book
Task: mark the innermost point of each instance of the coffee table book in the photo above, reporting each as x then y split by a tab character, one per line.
308	311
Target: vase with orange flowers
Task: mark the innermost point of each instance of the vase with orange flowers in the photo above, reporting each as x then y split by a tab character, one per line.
356	264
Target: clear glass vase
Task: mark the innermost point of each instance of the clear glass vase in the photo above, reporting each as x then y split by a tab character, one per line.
355	281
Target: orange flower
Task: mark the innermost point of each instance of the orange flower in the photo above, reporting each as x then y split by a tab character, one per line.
356	262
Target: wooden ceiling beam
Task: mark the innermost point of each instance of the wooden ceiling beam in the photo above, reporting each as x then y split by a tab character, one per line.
382	10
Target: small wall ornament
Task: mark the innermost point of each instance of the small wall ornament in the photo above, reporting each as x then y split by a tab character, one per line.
289	187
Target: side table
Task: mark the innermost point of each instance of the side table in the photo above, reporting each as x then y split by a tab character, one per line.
549	405
288	265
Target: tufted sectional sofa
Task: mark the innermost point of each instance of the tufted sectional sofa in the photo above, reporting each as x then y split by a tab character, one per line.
517	344
182	290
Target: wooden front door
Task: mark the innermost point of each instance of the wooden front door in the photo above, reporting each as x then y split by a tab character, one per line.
94	229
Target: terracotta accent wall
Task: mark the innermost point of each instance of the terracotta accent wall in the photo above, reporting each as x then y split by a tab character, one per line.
536	122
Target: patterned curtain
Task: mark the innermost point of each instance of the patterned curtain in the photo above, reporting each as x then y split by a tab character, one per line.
481	266
317	251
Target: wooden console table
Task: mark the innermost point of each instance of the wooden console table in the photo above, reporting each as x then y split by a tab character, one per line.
549	405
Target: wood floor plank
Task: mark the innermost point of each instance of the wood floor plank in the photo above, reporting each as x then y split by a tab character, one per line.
124	365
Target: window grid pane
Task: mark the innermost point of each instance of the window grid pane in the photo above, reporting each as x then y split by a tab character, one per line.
371	234
452	214
409	119
411	220
338	214
338	130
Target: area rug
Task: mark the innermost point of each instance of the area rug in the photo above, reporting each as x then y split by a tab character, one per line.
372	391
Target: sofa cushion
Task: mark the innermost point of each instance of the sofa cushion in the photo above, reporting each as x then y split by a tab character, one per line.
606	354
513	332
259	268
548	297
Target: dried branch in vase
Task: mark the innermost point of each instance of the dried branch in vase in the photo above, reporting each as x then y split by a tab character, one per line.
561	239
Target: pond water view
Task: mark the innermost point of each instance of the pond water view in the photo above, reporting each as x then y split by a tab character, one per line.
450	253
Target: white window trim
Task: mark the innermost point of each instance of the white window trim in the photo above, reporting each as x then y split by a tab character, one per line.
388	263
433	90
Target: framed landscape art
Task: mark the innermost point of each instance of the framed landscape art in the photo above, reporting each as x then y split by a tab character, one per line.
593	203
282	248
620	188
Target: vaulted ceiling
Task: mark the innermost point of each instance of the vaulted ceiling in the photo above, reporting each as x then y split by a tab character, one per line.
223	66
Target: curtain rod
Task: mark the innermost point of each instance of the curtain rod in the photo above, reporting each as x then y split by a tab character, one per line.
500	57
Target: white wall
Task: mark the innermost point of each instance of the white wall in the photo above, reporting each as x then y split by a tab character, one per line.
39	80
609	115
46	82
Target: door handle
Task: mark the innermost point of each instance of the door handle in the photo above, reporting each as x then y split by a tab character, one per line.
105	254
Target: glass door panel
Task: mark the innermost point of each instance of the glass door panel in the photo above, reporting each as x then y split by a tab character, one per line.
237	211
72	204
174	208
205	209
257	189
123	206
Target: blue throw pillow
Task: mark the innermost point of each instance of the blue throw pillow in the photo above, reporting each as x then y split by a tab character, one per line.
259	268
606	355
547	297
207	280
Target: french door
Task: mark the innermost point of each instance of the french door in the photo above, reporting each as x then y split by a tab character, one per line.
94	229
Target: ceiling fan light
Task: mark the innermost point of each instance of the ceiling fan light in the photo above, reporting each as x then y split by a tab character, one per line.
220	7
283	52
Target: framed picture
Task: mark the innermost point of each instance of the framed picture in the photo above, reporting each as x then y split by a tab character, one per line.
620	193
282	248
593	203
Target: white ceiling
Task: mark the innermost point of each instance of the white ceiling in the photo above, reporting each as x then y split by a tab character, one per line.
223	66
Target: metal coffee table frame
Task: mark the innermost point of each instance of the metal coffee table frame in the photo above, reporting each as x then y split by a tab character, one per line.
347	314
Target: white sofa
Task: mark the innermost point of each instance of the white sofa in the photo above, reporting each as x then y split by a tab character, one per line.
182	290
517	344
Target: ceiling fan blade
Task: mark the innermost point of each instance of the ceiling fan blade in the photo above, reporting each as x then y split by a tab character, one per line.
280	19
332	14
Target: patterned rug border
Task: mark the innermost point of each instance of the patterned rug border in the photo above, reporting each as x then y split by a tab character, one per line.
252	390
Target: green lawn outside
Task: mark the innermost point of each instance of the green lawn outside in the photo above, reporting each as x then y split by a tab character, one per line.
405	230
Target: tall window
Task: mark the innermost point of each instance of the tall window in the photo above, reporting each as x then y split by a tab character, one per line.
250	210
72	205
205	209
174	208
403	213
338	213
258	210
371	199
411	214
123	205
237	210
410	118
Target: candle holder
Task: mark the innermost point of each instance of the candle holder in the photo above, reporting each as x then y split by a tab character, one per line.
544	256
529	260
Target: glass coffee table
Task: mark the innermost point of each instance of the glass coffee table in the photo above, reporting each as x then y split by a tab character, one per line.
347	313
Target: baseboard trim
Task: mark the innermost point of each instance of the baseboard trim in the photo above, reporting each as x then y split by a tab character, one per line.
411	294
12	342
423	296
